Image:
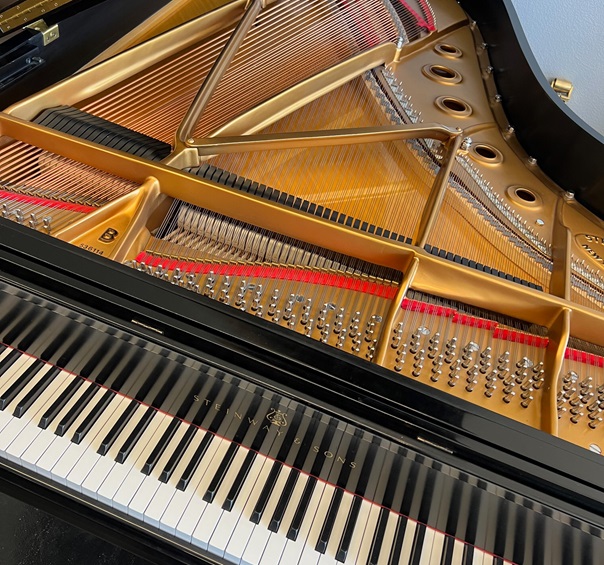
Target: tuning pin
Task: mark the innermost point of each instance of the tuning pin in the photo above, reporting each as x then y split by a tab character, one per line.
324	333
509	396
471	384
259	311
435	374
276	316
340	340
291	322
595	422
338	322
526	401
321	317
308	327
576	417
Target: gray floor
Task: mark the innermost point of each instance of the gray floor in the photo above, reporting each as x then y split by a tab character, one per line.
29	536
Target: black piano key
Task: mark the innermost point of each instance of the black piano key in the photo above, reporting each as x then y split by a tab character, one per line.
378	537
41	327
35	392
9	361
468	554
12	317
250	457
266	492
84	336
25	322
130	370
349	528
281	507
370	466
205	406
100	358
297	464
233	389
448	547
251	412
185	479
175	458
296	524
336	498
220	473
399	538
141	389
76	409
160	447
93	416
2	348
19	384
418	545
135	435
58	341
117	428
330	521
59	403
233	493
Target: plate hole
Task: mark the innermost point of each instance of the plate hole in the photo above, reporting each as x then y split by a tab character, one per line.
453	106
525	194
442	72
448	50
486	151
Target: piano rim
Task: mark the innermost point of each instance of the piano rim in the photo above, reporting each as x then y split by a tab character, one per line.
524	460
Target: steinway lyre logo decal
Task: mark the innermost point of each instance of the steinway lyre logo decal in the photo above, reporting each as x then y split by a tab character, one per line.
277	417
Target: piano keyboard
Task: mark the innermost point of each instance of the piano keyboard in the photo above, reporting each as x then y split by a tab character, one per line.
224	466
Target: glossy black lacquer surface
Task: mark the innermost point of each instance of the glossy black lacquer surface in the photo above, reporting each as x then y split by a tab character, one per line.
483	443
86	29
567	149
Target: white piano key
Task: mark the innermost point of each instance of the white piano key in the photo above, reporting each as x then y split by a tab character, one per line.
181	499
59	444
293	549
388	540
359	531
310	555
260	535
329	557
132	480
438	544
95	436
197	506
6	352
165	492
29	421
45	438
150	483
95	475
75	451
118	472
10	376
479	557
15	425
228	521
407	547
458	546
244	527
368	534
206	527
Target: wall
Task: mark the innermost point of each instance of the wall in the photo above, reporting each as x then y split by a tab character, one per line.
567	39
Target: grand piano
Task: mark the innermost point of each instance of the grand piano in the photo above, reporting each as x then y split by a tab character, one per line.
305	282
